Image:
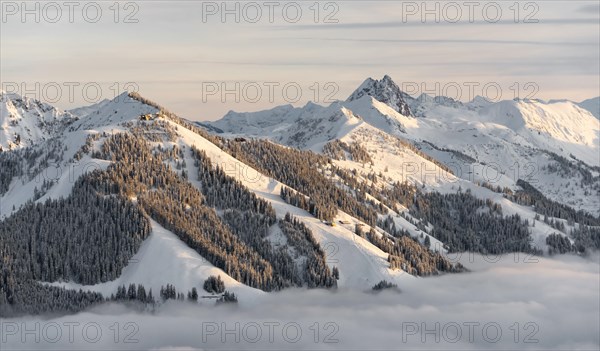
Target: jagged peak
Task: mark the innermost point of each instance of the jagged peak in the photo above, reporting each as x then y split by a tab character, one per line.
388	79
12	96
385	81
29	103
311	105
384	90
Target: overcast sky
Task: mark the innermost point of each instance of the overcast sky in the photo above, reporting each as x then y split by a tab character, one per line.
183	55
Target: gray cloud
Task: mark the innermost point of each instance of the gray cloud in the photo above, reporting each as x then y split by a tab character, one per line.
429	24
452	41
593	8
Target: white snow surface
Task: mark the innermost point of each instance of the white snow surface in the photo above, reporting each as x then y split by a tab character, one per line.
498	143
164	259
499	133
25	121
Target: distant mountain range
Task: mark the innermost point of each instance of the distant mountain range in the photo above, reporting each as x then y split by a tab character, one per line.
504	141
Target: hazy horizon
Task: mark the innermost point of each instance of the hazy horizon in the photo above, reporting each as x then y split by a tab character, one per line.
186	48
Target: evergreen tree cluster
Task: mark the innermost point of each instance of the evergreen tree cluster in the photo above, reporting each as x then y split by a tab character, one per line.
558	244
460	220
300	237
88	146
384	284
300	170
134	293
180	207
572	169
169	293
586	238
408	254
225	192
214	285
84	238
337	150
28	297
227	297
318	210
10	164
253	229
247	216
530	196
27	163
466	223
349	180
193	295
296	199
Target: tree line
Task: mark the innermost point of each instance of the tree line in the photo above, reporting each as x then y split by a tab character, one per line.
84	238
300	170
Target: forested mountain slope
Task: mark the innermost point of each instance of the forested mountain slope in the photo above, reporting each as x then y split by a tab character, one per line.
263	215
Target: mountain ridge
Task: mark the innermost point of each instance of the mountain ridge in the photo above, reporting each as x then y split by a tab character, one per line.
384	90
25	121
522	132
360	176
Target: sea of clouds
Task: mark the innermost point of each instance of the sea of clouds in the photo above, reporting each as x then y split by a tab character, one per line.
506	303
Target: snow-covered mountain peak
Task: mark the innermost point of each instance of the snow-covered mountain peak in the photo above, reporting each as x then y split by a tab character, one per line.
384	90
561	127
125	107
425	98
562	120
25	102
25	120
479	102
86	110
253	122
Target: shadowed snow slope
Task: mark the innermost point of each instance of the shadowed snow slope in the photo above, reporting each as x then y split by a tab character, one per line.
592	105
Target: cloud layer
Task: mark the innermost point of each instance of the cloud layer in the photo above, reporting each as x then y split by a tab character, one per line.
514	303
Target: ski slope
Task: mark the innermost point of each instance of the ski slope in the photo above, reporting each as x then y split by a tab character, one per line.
164	259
